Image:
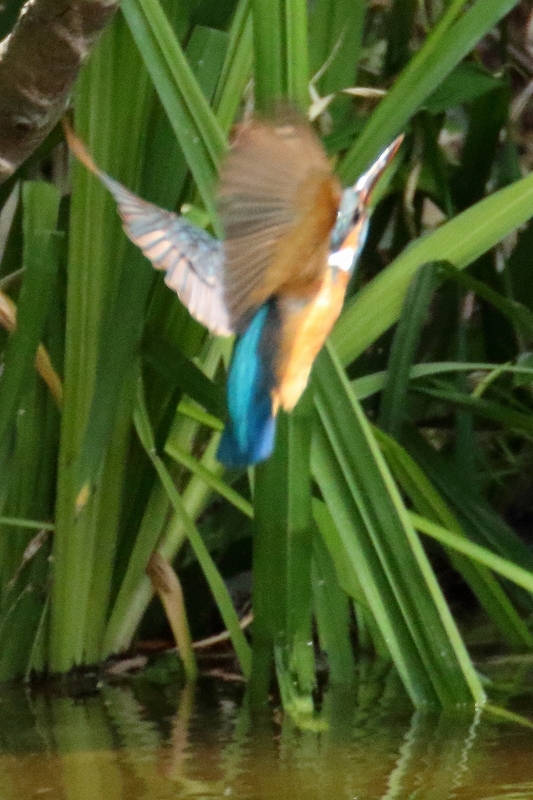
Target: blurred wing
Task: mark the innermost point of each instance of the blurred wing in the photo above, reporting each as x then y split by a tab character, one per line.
278	204
191	258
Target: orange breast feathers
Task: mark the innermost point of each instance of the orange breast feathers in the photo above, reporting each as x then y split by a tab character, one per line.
305	324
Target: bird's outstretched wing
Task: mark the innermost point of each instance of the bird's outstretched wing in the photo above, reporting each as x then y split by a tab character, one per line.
278	203
192	259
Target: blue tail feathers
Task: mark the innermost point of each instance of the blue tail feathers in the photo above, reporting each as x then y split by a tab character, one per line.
249	434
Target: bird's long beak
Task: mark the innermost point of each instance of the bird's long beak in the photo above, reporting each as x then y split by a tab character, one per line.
367	182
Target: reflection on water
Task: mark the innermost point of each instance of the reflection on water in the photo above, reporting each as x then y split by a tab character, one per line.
141	742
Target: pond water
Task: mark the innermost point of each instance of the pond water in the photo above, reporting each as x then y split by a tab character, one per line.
151	740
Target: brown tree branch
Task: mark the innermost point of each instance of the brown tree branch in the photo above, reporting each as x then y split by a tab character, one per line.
39	62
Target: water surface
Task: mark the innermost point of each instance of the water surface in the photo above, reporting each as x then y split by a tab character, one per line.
145	741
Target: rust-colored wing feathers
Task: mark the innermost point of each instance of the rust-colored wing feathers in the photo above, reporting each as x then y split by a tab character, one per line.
278	203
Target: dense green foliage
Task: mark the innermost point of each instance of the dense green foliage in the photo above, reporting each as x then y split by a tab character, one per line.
123	463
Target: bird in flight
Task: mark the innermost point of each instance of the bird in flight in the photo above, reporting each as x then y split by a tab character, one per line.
278	280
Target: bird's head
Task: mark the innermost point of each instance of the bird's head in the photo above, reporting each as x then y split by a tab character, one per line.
349	234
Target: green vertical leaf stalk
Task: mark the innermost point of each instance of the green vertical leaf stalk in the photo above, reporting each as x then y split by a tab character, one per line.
282	568
380	543
84	533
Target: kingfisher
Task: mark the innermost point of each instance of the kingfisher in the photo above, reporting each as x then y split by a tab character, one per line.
279	277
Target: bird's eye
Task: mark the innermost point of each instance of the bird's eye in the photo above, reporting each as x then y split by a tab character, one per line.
356	216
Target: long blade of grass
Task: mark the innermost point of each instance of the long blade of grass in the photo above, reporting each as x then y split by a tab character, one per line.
476	517
502	566
282	569
40	209
214	481
450	41
157	524
380	544
496	412
429	503
516	312
213	577
268	44
28	438
237	68
167	585
127	314
179	370
297	58
89	537
459	241
332	613
196	128
403	350
371	384
335	35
